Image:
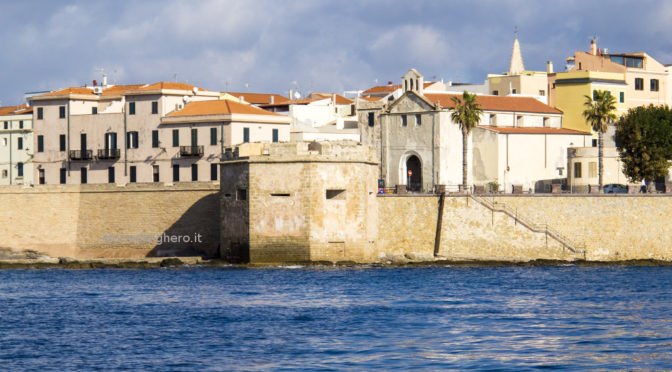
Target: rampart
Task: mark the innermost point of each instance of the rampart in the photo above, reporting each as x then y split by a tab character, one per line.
110	221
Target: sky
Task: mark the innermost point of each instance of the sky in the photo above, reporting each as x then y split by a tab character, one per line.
306	45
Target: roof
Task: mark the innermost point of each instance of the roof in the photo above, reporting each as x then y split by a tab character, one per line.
15	110
497	103
370	98
340	100
304	101
390	88
533	130
219	107
172	85
120	89
68	91
259	98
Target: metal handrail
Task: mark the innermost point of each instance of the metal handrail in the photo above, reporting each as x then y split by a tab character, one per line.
534	227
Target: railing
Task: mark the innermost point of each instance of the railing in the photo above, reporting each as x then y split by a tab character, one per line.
81	154
187	151
109	153
534	227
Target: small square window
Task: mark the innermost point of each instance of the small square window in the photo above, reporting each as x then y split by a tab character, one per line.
654	85
241	194
404	120
639	84
94	110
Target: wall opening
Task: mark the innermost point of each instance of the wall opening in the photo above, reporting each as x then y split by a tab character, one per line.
336	194
413	174
241	194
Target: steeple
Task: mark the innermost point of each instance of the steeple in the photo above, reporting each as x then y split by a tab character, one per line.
516	67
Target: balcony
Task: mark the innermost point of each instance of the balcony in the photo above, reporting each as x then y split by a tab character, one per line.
191	151
81	154
109	153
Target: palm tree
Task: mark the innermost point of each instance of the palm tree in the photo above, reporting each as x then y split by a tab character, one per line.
467	114
600	112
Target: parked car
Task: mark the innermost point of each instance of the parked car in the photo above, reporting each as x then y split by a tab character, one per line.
615	188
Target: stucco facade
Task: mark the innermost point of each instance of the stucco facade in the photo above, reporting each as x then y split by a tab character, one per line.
16	145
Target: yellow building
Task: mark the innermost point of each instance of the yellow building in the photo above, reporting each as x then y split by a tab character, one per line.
569	91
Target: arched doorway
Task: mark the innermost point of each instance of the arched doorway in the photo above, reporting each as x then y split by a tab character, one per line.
413	173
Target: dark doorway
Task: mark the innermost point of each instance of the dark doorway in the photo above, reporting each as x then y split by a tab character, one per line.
413	174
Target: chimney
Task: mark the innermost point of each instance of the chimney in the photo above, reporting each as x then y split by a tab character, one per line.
549	67
593	46
241	99
290	95
105	80
271	100
389	83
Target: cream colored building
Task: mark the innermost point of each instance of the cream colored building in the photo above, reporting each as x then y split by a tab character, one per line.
16	145
583	165
110	133
520	142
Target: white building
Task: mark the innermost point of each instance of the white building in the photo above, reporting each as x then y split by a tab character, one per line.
16	145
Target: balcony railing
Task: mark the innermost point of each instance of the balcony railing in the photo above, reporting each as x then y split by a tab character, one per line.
186	151
109	153
81	154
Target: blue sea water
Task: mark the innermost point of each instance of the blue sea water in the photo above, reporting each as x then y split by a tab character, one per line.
322	318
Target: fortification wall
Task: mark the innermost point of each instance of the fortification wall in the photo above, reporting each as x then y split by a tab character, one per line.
470	231
612	227
95	221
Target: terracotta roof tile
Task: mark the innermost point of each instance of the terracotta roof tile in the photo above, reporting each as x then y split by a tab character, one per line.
259	98
304	101
340	100
372	99
120	89
219	107
71	90
15	110
170	85
390	88
533	130
498	103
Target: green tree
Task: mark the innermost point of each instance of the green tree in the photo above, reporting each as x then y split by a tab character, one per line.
644	141
467	114
599	113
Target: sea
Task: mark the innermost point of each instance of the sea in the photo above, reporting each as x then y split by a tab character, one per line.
337	318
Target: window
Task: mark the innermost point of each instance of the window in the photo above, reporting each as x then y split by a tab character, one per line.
62	176
82	141
132	140
493	119
110	175
155	138
61	142
592	169
133	173
4	141
579	65
628	61
6	125
110	142
336	194
19	143
40	113
176	173
19	169
594	143
155	107
275	135
513	91
21	121
131	108
83	175
194	137
213	172
194	172
404	121
176	137
61	112
246	135
639	84
241	194
654	85
495	92
371	118
418	119
542	92
594	95
621	97
213	136
40	143
577	170
4	173
547	122
155	173
94	110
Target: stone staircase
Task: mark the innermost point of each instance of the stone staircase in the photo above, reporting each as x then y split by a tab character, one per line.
566	242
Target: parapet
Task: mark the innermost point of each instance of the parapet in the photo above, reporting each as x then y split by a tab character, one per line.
323	151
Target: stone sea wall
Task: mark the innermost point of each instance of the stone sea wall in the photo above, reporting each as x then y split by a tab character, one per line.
96	221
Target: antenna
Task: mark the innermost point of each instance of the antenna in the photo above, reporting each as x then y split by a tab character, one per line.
515	31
